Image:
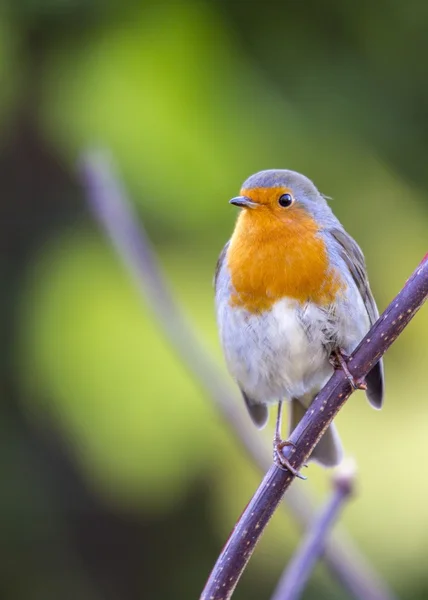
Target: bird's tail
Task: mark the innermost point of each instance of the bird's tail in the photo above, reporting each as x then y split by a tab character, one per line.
328	451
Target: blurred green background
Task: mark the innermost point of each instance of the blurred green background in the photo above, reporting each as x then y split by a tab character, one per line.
119	480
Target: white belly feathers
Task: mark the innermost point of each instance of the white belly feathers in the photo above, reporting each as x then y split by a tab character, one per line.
279	354
283	353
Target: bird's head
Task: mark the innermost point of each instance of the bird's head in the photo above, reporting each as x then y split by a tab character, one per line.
279	194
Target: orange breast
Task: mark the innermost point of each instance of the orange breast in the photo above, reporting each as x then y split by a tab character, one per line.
271	258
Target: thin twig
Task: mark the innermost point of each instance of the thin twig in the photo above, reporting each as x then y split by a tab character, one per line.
241	543
113	211
298	571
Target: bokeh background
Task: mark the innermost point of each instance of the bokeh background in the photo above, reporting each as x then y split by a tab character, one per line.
118	478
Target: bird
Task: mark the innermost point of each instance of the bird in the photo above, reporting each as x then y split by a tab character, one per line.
293	301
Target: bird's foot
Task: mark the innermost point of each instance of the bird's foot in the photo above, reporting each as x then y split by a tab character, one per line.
338	360
280	460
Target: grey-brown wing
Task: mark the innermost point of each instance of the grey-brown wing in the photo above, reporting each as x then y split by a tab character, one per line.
354	259
258	412
220	262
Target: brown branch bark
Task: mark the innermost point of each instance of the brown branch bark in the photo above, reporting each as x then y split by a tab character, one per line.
242	541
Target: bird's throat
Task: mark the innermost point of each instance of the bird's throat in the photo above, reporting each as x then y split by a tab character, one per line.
270	259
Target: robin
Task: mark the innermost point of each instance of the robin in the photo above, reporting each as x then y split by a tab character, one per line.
293	300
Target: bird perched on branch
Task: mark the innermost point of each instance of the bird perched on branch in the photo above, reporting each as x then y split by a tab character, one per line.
293	300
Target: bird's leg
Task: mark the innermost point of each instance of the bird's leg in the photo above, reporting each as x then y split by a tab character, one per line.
338	360
278	424
279	444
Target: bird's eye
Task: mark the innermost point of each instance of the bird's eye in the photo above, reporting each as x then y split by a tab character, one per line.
285	200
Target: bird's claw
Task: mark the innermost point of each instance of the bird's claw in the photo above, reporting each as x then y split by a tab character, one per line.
338	361
280	460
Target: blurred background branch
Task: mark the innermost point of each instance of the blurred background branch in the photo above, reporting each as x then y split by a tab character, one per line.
298	571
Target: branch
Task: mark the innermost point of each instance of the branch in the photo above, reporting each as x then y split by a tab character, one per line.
299	569
112	210
240	546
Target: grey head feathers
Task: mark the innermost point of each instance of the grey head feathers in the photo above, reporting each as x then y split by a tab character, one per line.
303	189
298	183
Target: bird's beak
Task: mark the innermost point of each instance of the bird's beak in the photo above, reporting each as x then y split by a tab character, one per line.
243	202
